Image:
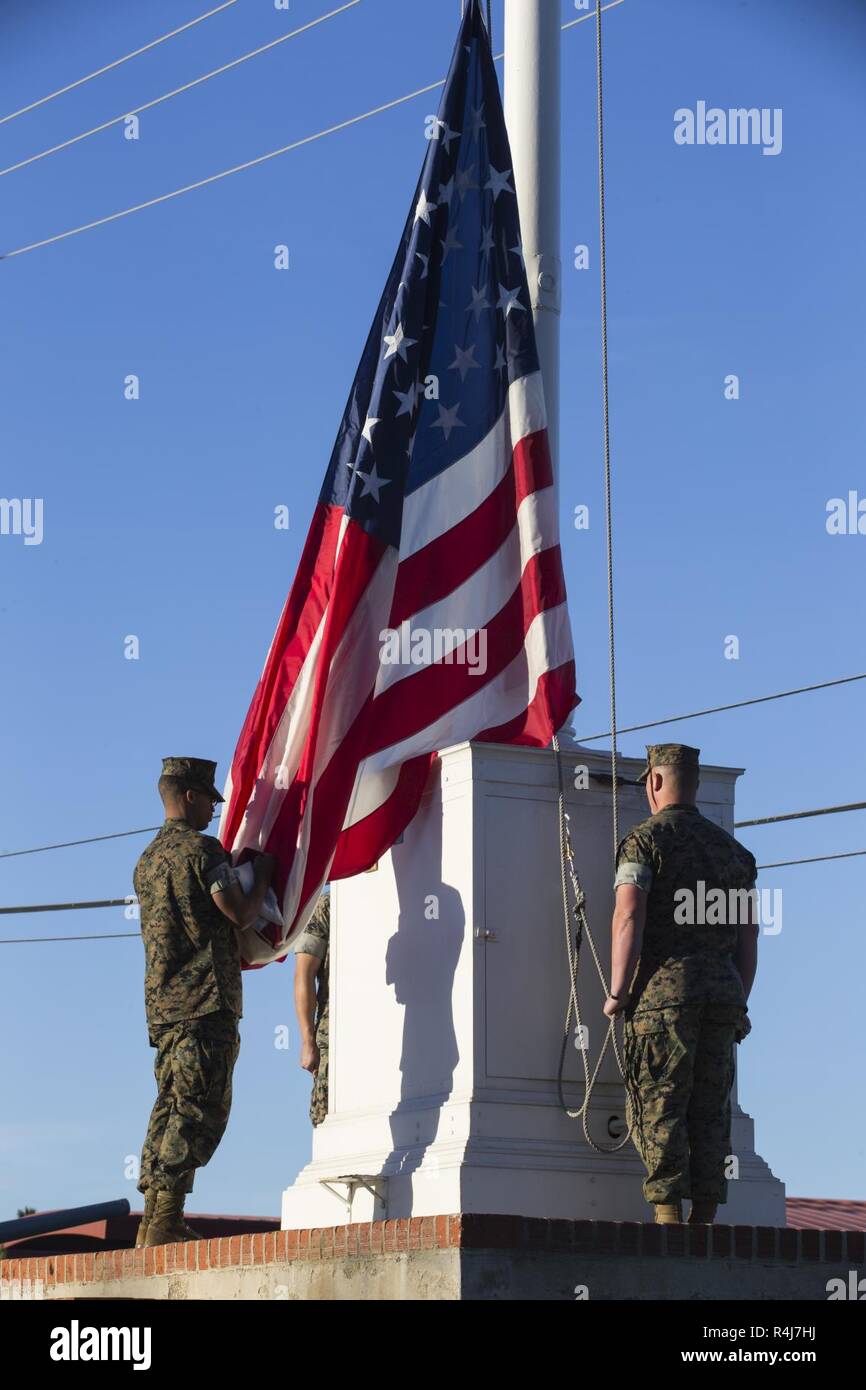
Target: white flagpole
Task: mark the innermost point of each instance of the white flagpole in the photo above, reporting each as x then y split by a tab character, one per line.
532	114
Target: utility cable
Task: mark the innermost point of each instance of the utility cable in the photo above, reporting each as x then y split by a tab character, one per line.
116	64
187	86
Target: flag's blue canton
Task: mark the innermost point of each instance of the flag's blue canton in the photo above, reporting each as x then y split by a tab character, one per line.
455	310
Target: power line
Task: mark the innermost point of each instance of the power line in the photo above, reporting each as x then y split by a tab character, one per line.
719	709
67	844
116	64
758	699
802	815
68	907
128	935
148	105
817	859
251	163
97	936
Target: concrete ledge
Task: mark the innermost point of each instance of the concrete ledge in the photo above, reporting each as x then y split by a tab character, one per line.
461	1257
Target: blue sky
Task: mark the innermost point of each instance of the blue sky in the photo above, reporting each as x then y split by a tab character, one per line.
158	512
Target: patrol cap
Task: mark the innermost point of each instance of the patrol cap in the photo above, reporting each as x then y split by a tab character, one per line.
198	774
670	755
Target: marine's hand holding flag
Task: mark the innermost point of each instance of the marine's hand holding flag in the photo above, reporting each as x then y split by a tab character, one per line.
435	526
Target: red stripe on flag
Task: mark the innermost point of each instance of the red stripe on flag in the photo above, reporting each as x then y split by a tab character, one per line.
453	557
295	632
555	697
423	697
360	555
363	843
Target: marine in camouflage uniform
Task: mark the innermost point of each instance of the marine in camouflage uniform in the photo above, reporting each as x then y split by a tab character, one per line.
314	940
192	991
687	1004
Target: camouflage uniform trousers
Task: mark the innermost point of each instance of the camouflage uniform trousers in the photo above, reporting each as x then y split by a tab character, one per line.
193	1066
679	1066
319	1098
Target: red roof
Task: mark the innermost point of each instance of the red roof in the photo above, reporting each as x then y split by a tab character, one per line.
825	1214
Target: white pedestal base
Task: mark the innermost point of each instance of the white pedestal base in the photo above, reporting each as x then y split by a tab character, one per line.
448	992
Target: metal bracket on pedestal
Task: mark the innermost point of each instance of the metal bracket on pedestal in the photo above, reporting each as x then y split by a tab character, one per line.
373	1183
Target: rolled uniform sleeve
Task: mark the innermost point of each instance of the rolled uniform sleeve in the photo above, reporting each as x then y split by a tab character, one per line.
220	877
315	938
634	862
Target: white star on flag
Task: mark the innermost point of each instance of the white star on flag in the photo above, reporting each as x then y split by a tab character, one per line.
464	361
448	420
498	182
398	342
424	209
509	299
372	483
367	431
479	302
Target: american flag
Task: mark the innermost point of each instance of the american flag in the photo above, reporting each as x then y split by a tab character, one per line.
429	606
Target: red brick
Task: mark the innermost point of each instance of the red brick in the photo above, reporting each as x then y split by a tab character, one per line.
258	1249
789	1244
377	1237
191	1254
328	1241
290	1247
270	1246
455	1232
765	1242
833	1244
413	1233
281	1245
744	1237
629	1237
389	1236
606	1235
159	1259
339	1241
206	1254
428	1233
246	1255
88	1266
583	1236
722	1242
402	1233
352	1237
315	1248
364	1238
651	1239
442	1232
303	1244
675	1239
698	1241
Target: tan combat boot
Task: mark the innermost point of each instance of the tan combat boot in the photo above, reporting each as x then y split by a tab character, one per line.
167	1225
703	1212
149	1205
669	1213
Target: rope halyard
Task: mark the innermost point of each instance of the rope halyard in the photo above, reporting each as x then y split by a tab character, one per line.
568	870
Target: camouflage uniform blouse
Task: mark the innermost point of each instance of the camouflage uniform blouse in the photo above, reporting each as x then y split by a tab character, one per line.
686	962
192	958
